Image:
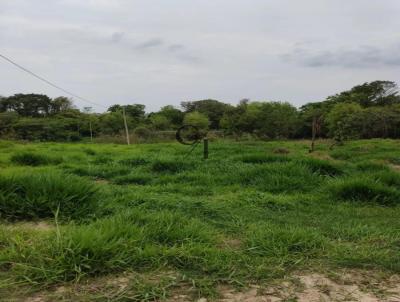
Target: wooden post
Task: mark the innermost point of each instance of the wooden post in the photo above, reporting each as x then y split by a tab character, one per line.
314	132
126	127
91	131
206	148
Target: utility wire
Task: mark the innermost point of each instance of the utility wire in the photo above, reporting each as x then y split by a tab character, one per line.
48	82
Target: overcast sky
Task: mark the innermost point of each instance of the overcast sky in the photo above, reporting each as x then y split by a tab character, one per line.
159	52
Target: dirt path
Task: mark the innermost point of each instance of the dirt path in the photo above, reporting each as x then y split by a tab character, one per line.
351	285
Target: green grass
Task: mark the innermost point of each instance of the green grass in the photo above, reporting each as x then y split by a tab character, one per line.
246	215
33	194
33	159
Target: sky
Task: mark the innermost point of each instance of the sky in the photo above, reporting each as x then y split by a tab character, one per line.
158	52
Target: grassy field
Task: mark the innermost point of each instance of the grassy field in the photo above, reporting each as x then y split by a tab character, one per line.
78	214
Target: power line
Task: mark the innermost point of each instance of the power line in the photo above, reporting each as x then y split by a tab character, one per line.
48	82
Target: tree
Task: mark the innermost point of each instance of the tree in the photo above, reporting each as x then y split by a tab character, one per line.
196	119
213	109
135	111
32	105
344	121
173	115
7	122
60	104
377	93
231	120
277	120
160	122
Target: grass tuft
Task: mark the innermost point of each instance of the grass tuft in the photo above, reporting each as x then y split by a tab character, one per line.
365	190
263	158
133	162
38	194
284	241
170	166
132	179
34	159
322	167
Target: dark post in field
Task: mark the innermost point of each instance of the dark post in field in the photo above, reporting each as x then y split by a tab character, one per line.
314	131
126	126
191	135
205	148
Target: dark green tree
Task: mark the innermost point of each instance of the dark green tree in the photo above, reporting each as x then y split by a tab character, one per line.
213	109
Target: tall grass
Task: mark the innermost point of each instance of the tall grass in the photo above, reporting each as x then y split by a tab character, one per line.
365	190
246	215
38	194
34	159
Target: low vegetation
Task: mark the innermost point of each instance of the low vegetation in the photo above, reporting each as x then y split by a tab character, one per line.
246	215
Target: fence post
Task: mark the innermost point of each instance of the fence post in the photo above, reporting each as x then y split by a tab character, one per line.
206	148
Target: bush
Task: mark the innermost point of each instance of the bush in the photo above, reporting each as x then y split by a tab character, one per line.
39	195
142	133
365	190
33	159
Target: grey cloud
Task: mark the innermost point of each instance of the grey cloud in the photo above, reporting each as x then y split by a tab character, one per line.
176	47
361	57
152	43
186	57
117	37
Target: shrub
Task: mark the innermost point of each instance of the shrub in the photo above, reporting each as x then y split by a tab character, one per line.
33	159
142	133
364	190
39	194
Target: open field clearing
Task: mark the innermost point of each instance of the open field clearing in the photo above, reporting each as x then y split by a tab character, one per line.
258	221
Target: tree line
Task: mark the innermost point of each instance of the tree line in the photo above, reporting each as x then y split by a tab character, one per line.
366	111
